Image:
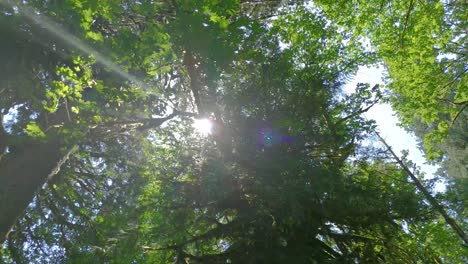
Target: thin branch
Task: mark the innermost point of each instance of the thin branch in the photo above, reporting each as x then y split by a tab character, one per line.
360	111
66	107
189	62
59	165
405	25
454	103
458	114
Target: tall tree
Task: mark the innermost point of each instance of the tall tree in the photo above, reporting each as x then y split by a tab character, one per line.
423	46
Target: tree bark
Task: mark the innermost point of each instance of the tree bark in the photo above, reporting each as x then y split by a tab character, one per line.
22	173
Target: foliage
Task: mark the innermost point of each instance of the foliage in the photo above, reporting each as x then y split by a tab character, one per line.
283	176
423	45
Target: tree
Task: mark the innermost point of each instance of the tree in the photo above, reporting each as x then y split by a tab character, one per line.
423	47
49	123
282	177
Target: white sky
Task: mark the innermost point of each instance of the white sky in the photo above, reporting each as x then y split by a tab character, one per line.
387	122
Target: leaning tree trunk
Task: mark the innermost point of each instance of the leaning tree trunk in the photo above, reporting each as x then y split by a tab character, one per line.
432	201
22	173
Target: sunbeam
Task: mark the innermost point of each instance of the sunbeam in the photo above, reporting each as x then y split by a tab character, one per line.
57	31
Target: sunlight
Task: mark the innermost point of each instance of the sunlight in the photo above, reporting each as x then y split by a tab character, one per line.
203	126
68	38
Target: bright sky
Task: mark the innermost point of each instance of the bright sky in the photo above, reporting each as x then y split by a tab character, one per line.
387	122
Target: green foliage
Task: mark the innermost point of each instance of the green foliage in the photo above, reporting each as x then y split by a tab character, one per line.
422	46
73	81
284	177
33	130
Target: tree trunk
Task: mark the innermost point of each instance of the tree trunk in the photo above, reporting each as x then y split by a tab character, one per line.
22	173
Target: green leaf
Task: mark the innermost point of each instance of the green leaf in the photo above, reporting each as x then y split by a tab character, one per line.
75	110
33	130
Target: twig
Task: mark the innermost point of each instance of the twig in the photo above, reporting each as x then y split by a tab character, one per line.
458	114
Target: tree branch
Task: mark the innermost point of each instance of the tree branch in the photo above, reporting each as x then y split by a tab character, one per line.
360	111
458	114
405	25
212	233
189	62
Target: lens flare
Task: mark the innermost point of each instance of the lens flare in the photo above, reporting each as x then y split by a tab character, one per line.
203	126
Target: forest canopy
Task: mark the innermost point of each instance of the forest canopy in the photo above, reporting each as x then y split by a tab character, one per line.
215	131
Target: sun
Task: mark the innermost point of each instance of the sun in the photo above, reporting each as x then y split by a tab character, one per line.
203	126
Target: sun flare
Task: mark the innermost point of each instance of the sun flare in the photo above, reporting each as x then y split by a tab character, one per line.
203	126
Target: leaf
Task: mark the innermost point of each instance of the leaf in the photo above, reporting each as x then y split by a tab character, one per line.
75	110
94	36
33	130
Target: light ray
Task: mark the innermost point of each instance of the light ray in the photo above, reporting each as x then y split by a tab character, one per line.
57	31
